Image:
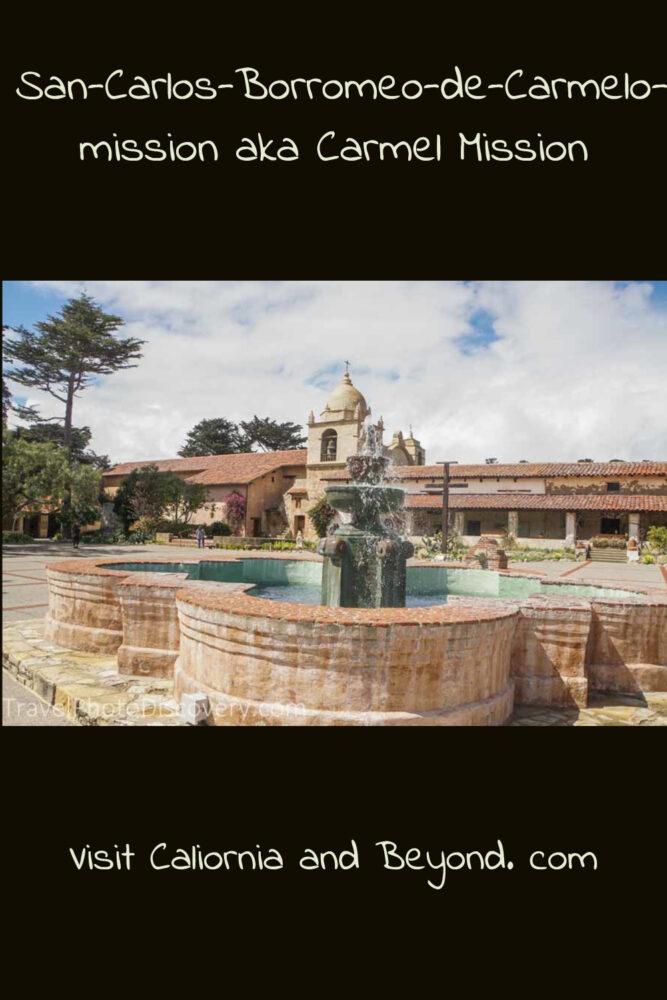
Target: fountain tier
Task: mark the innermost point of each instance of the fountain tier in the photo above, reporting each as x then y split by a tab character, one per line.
364	560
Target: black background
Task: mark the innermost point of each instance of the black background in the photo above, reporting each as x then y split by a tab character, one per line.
535	789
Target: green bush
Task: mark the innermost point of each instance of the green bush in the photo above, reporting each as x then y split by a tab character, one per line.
430	546
609	543
145	527
656	536
98	538
217	528
530	554
138	537
279	545
16	538
647	558
92	538
176	528
509	540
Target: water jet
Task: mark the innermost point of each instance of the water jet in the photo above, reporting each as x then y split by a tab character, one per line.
364	559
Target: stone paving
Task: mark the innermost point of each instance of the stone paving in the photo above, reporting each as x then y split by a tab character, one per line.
611	574
22	707
649	709
85	687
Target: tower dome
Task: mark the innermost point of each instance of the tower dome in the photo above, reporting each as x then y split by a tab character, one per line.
346	397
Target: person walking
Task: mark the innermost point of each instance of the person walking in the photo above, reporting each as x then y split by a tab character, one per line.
76	536
201	536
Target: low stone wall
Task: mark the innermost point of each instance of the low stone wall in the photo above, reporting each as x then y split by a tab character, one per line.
549	652
84	607
275	663
150	623
151	630
628	647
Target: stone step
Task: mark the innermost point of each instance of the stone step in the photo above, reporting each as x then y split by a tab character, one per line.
609	555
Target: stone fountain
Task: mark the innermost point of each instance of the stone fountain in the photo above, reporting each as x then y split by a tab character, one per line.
365	559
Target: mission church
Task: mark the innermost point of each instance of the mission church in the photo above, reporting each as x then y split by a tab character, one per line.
555	502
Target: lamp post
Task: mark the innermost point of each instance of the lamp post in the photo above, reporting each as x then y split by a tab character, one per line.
445	505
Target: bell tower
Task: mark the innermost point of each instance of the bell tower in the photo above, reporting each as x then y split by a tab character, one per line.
335	436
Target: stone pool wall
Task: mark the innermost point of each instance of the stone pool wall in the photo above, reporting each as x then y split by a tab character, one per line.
628	647
98	609
151	634
452	664
548	660
84	607
275	663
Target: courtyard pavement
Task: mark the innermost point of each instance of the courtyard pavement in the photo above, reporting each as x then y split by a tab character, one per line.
25	598
22	707
614	574
25	593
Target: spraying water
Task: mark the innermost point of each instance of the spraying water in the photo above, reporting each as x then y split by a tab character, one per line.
365	559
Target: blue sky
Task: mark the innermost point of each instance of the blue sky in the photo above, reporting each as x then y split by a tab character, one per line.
536	370
25	304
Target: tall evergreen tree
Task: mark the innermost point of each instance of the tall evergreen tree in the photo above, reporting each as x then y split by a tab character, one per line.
67	353
6	402
22	412
269	435
215	436
54	434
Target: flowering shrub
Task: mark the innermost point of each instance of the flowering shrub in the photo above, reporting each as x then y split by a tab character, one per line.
236	509
321	516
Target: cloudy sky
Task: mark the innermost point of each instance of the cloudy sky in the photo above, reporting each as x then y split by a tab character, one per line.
546	371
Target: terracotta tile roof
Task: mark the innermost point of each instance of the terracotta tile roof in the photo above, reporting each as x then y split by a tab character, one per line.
163	464
522	470
538	501
212	469
46	508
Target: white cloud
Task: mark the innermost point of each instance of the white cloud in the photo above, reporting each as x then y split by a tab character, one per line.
578	369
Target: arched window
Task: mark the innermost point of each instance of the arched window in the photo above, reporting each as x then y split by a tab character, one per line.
329	446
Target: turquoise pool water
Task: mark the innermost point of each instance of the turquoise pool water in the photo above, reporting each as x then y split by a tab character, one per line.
299	581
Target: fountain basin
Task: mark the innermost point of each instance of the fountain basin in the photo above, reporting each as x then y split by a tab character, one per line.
273	663
360	498
565	638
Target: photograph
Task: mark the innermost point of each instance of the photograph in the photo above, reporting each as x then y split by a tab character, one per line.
343	500
298	503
